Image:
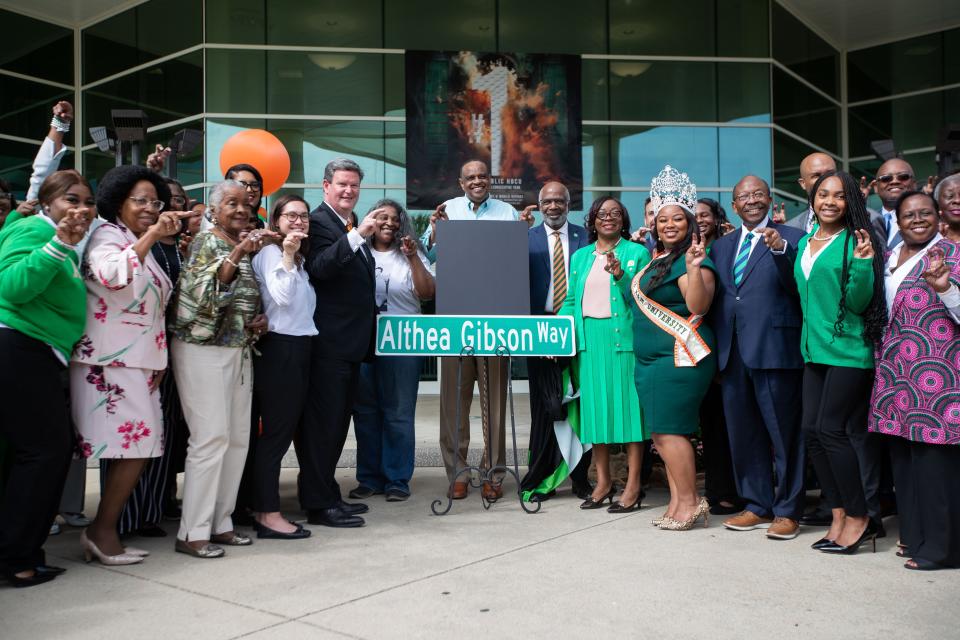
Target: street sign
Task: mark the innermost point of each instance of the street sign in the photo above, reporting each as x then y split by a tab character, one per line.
403	335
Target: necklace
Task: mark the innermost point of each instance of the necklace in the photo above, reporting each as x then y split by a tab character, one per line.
830	237
603	253
166	262
220	231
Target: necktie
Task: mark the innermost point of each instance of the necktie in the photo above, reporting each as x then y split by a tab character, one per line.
559	273
743	255
886	222
349	227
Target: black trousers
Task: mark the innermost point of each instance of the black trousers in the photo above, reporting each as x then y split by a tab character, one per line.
546	396
928	499
326	420
281	379
719	482
35	422
835	405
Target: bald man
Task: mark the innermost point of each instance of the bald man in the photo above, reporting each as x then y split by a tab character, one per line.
811	168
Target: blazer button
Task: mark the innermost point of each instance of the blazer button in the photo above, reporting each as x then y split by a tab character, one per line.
738	297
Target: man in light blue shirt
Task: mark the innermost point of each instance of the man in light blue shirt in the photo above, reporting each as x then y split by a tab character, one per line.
474	204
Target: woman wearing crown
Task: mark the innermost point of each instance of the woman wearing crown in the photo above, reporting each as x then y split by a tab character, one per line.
673	347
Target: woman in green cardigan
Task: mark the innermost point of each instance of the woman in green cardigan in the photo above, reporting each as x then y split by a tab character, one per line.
603	368
840	279
42	315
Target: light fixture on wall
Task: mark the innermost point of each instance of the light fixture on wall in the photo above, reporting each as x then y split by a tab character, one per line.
131	127
629	68
332	61
106	140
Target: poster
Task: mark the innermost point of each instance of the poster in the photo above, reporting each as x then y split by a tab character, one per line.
518	112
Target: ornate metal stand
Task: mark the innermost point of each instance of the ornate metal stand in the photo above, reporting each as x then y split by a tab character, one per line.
481	476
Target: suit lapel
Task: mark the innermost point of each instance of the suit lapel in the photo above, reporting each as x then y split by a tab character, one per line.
542	245
366	257
758	251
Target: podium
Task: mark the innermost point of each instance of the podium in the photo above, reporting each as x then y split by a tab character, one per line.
483	310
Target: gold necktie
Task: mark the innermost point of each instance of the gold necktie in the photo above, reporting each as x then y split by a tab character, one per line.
559	273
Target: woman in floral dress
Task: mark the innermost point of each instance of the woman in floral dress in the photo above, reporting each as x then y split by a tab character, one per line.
118	363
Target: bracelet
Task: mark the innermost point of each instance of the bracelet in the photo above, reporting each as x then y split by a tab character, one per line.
60	125
235	265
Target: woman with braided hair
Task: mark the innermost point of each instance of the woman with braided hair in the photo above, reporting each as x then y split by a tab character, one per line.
840	279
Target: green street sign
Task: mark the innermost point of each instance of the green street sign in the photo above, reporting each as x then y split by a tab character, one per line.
408	335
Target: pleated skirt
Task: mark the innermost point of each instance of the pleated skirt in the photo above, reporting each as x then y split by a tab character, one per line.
609	407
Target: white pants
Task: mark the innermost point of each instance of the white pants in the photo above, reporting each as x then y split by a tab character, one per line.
215	385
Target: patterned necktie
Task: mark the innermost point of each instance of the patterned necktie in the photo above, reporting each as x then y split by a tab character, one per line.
743	255
559	273
349	227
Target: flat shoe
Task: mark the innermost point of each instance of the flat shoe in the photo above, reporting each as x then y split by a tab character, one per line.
233	539
206	551
264	531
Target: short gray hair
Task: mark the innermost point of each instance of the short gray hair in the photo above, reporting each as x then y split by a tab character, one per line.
218	192
566	193
953	177
341	164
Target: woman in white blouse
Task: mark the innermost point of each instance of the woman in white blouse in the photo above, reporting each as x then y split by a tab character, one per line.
384	411
282	368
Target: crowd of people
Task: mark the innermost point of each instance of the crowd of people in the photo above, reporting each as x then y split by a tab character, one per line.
159	335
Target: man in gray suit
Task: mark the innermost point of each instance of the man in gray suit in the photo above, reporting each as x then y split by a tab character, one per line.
811	168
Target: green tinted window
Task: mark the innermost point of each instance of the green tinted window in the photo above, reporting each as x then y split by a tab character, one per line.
236	81
743	92
743	28
653	27
908	65
16	164
655	90
148	31
236	21
27	106
788	153
803	111
804	52
36	48
325	23
465	25
911	122
301	83
544	26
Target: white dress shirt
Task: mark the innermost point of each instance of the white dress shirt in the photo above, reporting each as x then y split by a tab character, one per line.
288	298
894	277
807	259
353	236
565	243
893	229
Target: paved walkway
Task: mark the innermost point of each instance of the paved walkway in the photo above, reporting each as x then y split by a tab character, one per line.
562	573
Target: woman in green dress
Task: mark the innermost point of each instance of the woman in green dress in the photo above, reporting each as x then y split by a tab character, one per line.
673	348
603	368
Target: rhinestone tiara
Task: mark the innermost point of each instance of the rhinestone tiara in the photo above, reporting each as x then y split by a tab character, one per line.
673	187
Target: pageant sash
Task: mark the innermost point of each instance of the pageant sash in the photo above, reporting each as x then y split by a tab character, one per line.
689	348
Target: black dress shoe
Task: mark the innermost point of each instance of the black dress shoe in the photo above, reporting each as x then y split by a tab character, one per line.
32	581
821	543
869	535
333	517
266	532
542	497
49	569
352	509
582	491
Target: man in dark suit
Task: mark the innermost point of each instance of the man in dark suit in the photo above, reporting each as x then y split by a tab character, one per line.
894	177
551	245
757	319
341	271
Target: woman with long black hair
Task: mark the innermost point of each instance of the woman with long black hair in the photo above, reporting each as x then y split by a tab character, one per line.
840	279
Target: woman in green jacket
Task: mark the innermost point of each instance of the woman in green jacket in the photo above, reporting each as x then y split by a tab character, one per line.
604	366
42	315
839	276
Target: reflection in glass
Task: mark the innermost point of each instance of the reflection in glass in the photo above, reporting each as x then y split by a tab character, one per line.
36	48
804	52
26	106
804	112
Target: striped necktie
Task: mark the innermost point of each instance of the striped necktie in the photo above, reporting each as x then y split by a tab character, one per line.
743	255
559	273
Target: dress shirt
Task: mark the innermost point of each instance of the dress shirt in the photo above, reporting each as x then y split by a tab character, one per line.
353	236
809	220
565	242
893	229
288	298
894	276
462	208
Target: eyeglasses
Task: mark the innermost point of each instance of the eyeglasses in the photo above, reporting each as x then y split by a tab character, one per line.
887	178
615	214
756	195
5	195
178	200
291	216
156	205
251	186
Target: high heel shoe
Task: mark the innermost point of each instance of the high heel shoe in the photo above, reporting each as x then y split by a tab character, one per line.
90	551
590	503
703	509
821	543
869	534
619	507
656	521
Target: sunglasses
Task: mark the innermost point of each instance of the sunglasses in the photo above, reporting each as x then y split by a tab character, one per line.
887	178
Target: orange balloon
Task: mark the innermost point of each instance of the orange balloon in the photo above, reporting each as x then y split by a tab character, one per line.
261	149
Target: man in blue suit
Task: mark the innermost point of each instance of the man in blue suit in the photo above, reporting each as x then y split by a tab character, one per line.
551	245
757	319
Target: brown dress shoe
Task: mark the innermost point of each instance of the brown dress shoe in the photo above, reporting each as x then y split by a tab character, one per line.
783	529
746	521
492	492
459	491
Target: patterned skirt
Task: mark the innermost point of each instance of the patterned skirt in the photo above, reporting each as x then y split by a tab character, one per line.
116	414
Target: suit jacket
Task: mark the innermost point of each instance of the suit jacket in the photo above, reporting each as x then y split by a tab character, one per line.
764	311
799	222
344	282
541	262
880	226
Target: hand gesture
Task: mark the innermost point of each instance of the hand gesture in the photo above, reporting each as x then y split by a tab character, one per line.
258	325
937	274
640	235
168	223
780	214
697	252
439	214
866	187
613	266
27	207
157	159
864	248
929	187
63	110
253	241
291	243
408	246
186	238
771	237
726	227
527	214
370	225
73	225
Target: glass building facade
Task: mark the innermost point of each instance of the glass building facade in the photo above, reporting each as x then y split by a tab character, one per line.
719	89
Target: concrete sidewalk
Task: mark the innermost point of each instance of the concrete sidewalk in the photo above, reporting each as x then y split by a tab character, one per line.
562	573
